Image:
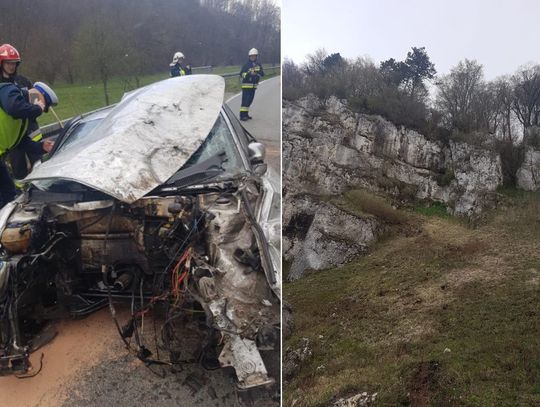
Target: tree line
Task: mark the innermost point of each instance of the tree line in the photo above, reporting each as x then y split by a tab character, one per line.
77	40
502	114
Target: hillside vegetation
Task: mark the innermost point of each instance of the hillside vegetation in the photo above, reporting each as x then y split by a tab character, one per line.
438	313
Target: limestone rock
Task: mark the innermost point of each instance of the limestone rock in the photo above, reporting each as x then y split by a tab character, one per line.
528	175
318	235
294	358
327	149
360	400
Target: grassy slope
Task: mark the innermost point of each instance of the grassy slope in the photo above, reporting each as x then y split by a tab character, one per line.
435	285
81	98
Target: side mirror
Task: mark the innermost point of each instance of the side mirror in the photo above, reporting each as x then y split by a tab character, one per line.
257	152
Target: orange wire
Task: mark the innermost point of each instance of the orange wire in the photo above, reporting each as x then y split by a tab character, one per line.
176	280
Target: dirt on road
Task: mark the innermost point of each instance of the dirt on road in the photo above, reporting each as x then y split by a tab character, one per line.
79	345
87	365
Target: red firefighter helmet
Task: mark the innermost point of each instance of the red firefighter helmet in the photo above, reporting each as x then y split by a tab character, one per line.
9	53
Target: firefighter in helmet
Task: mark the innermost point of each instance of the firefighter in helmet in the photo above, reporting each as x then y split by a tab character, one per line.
251	73
178	67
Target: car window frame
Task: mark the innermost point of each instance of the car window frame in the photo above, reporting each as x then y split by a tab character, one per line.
70	131
245	139
240	145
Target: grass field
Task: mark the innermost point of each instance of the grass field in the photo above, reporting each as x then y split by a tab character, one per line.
81	98
437	314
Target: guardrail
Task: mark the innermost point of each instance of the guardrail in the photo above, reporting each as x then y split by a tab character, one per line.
233	74
210	69
53	129
206	69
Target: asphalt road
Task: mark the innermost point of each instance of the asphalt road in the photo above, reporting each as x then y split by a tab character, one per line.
87	365
266	122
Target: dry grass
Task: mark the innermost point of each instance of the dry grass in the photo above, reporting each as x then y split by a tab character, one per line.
359	201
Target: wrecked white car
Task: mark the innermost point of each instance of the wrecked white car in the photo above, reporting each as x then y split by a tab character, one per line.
163	202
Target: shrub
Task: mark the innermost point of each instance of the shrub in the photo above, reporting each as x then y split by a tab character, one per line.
433	209
373	205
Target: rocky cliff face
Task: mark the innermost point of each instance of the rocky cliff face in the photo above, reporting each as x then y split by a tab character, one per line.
320	235
327	149
528	175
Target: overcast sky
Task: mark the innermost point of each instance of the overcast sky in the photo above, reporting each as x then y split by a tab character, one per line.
500	34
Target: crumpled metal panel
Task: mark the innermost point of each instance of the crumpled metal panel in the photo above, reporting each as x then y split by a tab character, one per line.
144	140
5	214
243	355
270	221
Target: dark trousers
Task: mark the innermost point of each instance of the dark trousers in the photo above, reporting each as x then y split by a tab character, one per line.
17	158
247	99
7	187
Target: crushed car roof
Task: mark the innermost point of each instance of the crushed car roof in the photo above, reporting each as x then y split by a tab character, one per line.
143	140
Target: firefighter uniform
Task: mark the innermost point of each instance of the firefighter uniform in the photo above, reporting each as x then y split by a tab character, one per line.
16	112
178	69
251	72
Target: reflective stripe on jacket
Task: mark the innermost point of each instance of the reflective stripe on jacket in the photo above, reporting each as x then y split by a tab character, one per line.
251	72
179	70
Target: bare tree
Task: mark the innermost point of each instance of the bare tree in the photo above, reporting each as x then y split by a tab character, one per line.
293	80
365	78
459	95
526	86
98	50
505	120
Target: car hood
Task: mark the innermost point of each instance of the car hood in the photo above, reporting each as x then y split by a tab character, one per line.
143	141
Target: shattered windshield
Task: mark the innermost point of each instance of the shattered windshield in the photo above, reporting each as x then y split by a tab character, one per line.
78	133
219	141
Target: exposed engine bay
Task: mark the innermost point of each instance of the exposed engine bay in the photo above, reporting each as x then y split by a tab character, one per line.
195	263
